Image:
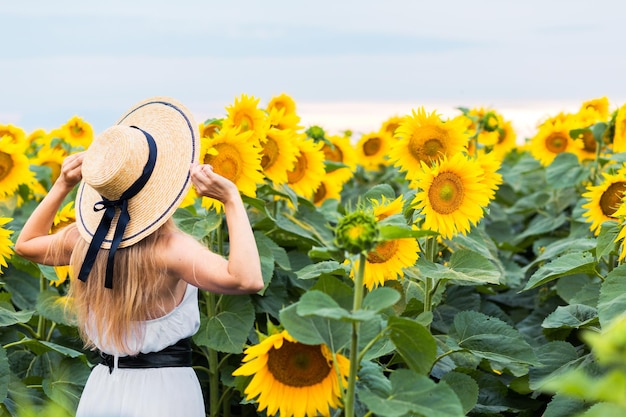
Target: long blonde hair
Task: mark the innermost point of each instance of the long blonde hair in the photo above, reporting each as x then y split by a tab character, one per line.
114	315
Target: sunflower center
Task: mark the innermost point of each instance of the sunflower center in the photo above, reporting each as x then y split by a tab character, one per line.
245	122
383	252
76	130
6	165
428	150
491	122
298	171
226	163
372	146
269	153
298	365
332	153
610	200
320	193
556	142
446	193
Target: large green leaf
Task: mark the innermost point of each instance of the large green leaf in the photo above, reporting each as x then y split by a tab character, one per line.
198	225
572	316
565	171
564	406
607	239
466	267
491	338
315	330
568	264
413	394
52	306
612	302
556	357
228	330
9	317
317	303
65	381
414	343
465	388
320	268
540	225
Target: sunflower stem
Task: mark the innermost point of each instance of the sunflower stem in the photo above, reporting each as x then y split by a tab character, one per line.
429	284
41	323
354	343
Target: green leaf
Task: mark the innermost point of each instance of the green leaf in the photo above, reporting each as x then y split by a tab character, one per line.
65	382
379	191
604	410
607	244
491	338
415	394
564	406
612	302
572	316
556	358
5	374
199	226
568	264
541	225
313	330
41	346
414	343
465	388
380	298
391	232
325	267
565	171
466	267
228	330
317	303
10	317
562	246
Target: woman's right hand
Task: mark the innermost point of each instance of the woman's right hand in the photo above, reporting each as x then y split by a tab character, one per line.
71	170
210	184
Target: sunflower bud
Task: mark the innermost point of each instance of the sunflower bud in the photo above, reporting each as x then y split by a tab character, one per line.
357	232
490	122
316	133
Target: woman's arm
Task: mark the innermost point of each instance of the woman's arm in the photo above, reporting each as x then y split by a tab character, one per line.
34	242
192	262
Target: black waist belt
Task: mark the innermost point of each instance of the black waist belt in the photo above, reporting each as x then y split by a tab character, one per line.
176	355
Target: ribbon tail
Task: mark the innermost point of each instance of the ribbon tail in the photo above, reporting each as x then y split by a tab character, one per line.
96	241
122	221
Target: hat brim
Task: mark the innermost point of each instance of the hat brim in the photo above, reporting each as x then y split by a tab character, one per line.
174	130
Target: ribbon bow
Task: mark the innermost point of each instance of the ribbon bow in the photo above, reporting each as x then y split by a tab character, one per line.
110	208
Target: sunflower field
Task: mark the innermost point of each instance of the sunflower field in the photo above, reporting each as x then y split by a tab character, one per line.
438	267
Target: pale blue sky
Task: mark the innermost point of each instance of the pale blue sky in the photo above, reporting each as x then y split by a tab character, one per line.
360	59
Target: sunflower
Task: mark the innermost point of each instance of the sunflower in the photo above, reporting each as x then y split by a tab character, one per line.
597	106
16	134
246	115
619	138
6	244
329	188
293	378
426	138
451	195
339	149
209	128
36	136
14	166
51	158
279	154
233	155
507	140
388	259
604	199
308	170
79	133
552	139
488	123
62	219
372	150
390	125
282	110
620	215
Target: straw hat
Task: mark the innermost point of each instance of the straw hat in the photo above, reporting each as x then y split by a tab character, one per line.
117	157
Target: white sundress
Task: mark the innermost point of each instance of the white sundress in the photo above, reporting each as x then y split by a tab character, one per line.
153	392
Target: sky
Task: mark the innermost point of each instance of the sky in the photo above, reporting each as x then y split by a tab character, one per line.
347	64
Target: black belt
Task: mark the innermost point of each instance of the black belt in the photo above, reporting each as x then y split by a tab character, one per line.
176	355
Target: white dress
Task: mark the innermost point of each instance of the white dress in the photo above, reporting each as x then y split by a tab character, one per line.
152	392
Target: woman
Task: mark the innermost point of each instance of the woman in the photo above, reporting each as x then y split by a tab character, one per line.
135	280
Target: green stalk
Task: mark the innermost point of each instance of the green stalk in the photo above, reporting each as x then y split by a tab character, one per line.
354	343
41	324
429	284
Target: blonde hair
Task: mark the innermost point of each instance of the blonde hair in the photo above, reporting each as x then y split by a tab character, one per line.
114	316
